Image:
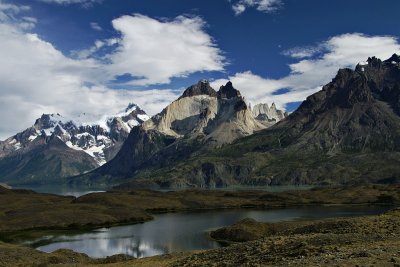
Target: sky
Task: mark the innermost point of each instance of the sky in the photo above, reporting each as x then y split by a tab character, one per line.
97	56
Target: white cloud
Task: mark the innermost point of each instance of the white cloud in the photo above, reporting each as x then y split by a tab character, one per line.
266	6
10	13
12	9
95	26
316	67
36	78
303	52
155	51
97	46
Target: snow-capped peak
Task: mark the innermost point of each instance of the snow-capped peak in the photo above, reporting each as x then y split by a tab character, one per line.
99	137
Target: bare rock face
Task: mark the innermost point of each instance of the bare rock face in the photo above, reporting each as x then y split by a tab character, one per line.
218	118
200	119
271	115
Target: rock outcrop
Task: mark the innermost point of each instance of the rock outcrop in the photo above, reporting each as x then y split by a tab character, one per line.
265	113
217	117
201	119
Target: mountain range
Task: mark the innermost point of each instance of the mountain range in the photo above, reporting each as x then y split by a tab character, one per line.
347	133
202	119
56	146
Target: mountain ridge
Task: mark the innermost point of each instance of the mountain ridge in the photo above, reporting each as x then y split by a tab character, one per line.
86	145
347	133
199	120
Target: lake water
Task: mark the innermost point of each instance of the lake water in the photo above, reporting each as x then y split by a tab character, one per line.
185	231
80	191
63	190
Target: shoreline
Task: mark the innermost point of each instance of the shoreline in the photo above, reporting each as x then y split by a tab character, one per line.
292	243
25	214
200	200
14	237
88	229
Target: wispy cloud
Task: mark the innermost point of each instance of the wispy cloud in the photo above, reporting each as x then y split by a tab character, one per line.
11	13
95	26
84	3
266	6
315	67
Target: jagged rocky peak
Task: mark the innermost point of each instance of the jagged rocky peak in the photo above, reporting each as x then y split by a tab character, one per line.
188	114
263	112
201	88
393	59
374	62
131	107
47	121
371	82
132	116
374	65
228	91
133	110
219	116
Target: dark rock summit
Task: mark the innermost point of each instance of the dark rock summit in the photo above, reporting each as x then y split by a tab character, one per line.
393	58
228	91
201	88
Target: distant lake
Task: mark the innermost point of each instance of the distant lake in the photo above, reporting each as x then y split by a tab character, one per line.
176	232
63	190
79	191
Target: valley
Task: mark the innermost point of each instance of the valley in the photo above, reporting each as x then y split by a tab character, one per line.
51	215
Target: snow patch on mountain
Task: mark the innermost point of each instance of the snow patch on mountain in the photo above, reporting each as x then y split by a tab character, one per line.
86	132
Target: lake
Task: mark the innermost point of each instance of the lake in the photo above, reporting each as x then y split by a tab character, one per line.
80	191
62	190
176	232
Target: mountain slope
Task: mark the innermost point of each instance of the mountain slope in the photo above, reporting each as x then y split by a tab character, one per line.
45	163
349	132
56	147
200	120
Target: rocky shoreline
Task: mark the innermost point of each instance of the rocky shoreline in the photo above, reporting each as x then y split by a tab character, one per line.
26	213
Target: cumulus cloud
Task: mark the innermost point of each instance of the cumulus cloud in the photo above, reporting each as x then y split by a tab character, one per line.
37	78
154	51
315	67
266	6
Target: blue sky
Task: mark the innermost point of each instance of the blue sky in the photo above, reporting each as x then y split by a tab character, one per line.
74	56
